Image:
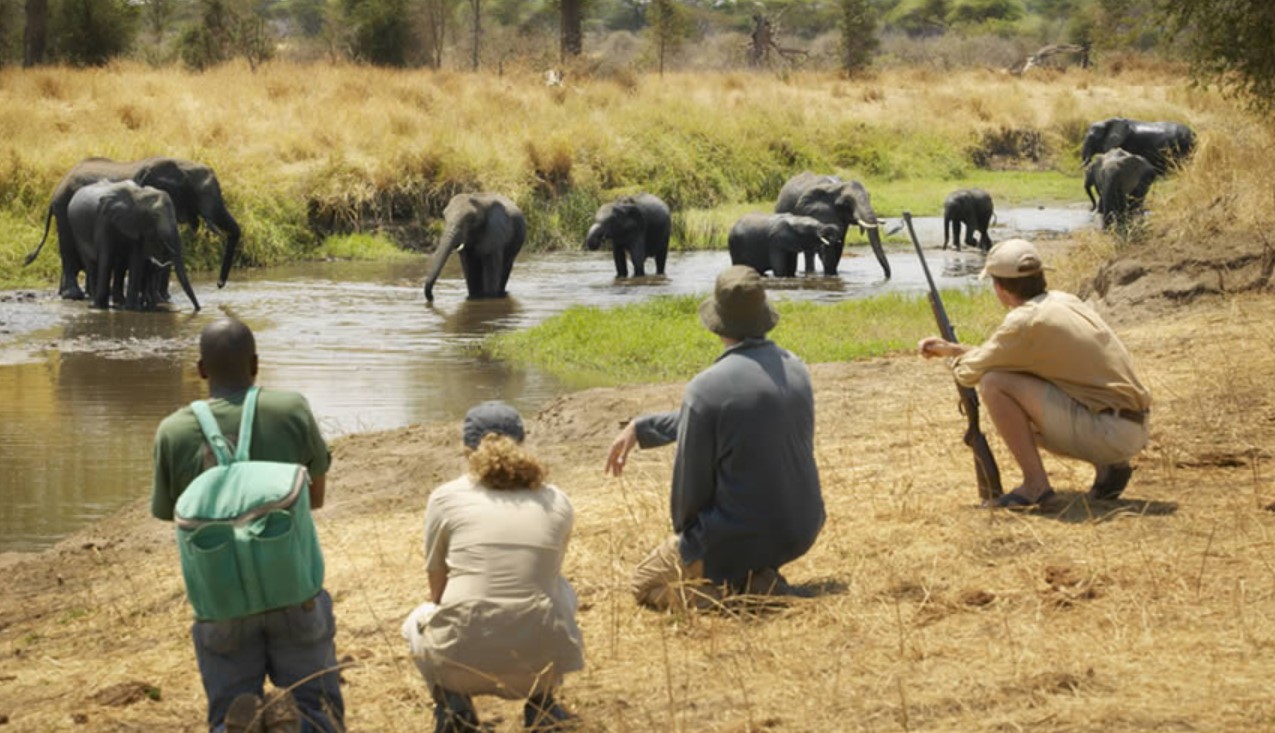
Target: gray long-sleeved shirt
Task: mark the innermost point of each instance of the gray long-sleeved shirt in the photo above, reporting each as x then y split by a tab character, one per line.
745	492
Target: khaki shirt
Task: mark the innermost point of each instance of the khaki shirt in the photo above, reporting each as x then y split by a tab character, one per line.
1057	337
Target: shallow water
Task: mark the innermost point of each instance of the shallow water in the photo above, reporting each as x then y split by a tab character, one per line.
81	391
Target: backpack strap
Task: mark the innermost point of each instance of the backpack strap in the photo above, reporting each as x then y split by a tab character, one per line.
212	431
245	424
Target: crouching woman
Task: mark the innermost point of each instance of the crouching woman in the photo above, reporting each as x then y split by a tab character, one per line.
501	618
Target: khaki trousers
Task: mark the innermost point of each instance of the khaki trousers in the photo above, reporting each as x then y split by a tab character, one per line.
662	580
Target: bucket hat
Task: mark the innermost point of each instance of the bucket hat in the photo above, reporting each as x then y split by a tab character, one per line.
738	308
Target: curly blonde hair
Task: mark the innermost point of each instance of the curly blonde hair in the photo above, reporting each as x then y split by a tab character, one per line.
501	463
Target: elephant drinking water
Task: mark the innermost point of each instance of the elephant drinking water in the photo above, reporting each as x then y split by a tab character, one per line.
487	230
832	201
637	225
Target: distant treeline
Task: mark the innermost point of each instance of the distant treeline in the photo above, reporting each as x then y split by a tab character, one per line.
591	35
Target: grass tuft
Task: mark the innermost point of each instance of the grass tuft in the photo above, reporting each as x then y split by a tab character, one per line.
662	339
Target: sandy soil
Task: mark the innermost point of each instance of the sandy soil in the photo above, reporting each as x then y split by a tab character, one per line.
1150	613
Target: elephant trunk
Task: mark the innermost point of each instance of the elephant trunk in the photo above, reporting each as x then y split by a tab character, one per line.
451	236
179	265
593	240
1088	151
232	232
874	239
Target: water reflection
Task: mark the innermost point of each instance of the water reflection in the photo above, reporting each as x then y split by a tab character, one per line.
82	391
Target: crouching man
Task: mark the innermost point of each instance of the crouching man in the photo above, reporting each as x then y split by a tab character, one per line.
1053	374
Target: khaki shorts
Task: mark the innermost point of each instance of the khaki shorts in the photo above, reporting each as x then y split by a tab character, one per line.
1071	429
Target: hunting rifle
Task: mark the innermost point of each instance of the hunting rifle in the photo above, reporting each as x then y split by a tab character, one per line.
989	476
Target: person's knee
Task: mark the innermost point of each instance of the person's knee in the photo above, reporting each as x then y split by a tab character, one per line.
997	383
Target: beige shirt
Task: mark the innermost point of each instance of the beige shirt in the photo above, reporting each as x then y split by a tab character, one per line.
1057	337
506	622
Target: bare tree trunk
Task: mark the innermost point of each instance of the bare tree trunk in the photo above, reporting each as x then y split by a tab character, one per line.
572	43
762	39
36	32
477	6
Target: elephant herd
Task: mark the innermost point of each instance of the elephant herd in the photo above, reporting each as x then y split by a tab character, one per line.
117	222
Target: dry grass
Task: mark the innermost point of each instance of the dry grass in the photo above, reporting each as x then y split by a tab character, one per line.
1148	614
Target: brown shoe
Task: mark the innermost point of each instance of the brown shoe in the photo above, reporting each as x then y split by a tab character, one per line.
281	714
244	714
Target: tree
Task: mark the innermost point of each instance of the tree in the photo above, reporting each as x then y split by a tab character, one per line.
669	26
92	32
572	38
157	14
476	29
36	34
920	17
434	17
224	31
858	35
379	33
1231	43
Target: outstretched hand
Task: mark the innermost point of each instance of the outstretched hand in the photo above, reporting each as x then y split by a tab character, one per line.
620	448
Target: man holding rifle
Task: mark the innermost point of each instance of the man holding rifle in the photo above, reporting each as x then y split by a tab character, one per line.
1053	374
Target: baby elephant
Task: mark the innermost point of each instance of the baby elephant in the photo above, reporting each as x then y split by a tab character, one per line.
773	241
638	226
973	208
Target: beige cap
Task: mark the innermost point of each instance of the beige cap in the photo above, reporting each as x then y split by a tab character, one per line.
1013	258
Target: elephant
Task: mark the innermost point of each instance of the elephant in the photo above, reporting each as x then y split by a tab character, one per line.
1162	144
488	230
1122	180
832	201
192	187
973	208
773	241
118	228
637	225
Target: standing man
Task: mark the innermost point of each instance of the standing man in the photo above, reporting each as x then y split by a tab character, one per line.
1053	374
294	644
745	497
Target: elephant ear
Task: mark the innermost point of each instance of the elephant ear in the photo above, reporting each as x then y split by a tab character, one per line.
814	197
629	216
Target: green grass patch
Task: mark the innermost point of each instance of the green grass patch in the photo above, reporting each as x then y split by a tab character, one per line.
367	247
662	340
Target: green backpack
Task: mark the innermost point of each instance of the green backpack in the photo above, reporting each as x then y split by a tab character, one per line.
244	530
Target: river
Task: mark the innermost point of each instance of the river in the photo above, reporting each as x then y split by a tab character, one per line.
81	391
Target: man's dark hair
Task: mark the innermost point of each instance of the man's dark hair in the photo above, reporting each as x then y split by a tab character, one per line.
227	348
1023	288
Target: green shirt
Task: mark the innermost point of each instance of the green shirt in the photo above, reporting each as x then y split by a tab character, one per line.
285	431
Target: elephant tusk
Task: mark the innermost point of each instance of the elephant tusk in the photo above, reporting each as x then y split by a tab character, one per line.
157	263
461	248
867	226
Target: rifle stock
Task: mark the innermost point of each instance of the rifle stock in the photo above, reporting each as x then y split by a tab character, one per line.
989	476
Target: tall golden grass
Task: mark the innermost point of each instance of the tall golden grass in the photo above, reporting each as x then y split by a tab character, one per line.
304	150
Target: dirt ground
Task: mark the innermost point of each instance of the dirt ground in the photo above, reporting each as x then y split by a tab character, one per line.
1154	612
